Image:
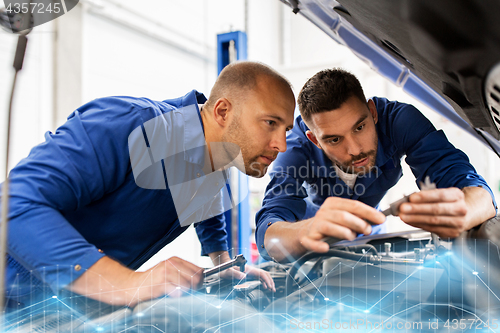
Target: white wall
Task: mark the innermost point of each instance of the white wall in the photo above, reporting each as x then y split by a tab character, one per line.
32	114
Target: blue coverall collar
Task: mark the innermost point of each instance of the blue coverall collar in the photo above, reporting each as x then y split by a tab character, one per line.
192	122
385	149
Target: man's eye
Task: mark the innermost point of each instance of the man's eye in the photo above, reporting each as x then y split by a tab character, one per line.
271	122
334	140
360	127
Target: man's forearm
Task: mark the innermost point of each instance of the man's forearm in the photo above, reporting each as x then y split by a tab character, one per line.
107	281
479	206
110	282
282	240
287	247
219	257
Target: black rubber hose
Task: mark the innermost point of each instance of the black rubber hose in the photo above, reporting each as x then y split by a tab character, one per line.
358	248
311	255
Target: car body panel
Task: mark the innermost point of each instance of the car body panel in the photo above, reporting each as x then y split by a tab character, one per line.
447	73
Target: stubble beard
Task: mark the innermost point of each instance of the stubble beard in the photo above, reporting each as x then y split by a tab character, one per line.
359	170
237	135
372	157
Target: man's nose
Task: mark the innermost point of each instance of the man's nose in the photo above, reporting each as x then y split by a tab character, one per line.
279	142
354	147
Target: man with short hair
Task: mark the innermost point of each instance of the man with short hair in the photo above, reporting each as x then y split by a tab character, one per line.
343	156
125	176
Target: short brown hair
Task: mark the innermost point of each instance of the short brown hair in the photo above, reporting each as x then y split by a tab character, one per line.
238	78
328	90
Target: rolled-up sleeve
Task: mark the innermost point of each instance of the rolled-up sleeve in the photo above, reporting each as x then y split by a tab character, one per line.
285	195
428	151
212	235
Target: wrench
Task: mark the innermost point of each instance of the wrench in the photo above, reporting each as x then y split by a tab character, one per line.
239	260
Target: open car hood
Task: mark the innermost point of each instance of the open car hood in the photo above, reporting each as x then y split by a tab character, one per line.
446	53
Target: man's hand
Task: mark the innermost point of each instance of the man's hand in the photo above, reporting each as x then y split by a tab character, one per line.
264	277
173	276
110	282
449	211
339	218
221	257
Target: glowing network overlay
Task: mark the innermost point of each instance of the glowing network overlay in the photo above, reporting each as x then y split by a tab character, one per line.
456	291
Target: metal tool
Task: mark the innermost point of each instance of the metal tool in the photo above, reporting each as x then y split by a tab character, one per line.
394	207
239	260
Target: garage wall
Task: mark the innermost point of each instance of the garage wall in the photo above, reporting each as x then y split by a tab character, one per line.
33	101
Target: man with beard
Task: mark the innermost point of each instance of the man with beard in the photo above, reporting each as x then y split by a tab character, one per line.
125	176
344	154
